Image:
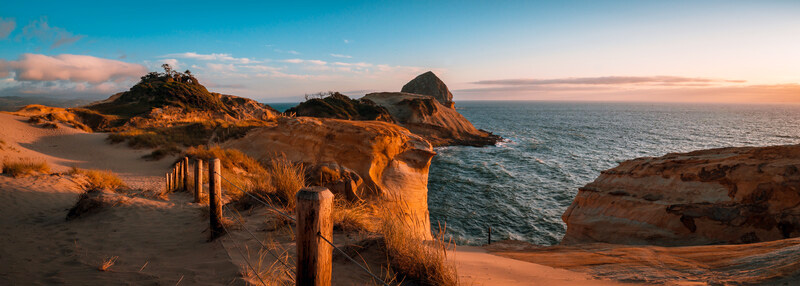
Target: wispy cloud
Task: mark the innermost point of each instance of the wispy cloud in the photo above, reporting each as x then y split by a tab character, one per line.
41	30
6	27
607	80
210	57
346	41
341	56
286	52
302	61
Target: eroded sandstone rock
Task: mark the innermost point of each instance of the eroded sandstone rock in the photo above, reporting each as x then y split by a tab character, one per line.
729	195
392	161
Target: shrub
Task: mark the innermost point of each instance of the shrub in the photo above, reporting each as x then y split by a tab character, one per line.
98	179
25	167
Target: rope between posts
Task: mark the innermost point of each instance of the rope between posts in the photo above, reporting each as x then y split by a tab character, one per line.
246	260
261	243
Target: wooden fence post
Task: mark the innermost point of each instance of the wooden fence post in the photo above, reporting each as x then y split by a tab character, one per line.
215	198
314	208
175	176
185	174
166	175
198	181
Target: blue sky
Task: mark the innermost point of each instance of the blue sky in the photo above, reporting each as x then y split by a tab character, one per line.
273	52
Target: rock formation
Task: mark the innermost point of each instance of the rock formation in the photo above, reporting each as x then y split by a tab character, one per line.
339	106
429	84
729	195
425	116
392	161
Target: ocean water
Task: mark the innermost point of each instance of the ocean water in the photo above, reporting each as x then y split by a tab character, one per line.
522	186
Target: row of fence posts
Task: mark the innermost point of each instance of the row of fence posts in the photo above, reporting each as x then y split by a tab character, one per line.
313	215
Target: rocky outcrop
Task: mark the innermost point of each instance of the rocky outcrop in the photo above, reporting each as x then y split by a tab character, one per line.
392	162
429	84
339	106
425	116
729	195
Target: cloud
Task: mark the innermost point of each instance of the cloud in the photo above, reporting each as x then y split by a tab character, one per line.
359	64
346	41
6	27
607	80
66	67
341	56
209	57
287	52
60	88
41	30
301	61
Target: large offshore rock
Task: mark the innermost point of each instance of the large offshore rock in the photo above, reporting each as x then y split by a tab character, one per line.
729	195
429	84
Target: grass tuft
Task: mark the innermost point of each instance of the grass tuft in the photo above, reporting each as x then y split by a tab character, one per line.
418	260
352	216
23	167
99	179
287	178
107	263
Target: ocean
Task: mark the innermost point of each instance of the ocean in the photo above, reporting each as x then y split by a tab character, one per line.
521	187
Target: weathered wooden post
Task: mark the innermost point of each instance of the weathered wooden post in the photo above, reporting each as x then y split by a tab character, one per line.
185	174
215	198
314	207
166	176
175	176
198	180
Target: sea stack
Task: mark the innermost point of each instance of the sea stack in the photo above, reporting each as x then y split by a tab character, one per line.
429	84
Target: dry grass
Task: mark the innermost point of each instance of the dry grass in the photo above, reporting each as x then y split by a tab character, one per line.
287	178
107	263
267	268
99	179
414	258
277	179
25	167
353	216
184	133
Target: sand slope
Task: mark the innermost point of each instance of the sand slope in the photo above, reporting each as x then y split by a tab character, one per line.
39	247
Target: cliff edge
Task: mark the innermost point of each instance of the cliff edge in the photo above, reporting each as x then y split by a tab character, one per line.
392	161
717	196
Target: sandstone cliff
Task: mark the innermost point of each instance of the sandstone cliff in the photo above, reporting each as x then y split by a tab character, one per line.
428	118
729	195
429	84
392	161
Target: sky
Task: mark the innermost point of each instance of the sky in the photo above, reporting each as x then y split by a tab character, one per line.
670	51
